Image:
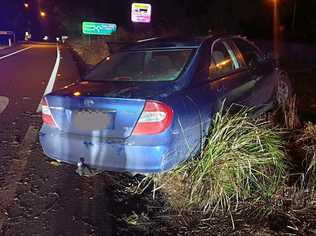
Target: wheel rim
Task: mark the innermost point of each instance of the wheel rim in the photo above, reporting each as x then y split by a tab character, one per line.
283	91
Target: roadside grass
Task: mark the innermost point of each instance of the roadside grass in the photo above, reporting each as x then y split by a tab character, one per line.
91	50
243	160
307	142
252	178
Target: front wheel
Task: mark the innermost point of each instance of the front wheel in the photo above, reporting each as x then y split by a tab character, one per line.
284	89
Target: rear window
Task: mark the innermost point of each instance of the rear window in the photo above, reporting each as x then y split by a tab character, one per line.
155	65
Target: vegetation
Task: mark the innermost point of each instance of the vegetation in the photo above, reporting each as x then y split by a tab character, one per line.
90	51
242	160
307	142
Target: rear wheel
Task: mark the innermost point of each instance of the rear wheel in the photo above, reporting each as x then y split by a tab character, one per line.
284	88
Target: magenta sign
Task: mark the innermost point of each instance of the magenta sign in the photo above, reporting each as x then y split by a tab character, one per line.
141	12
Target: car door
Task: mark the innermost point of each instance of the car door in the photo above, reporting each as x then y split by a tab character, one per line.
220	78
229	75
261	72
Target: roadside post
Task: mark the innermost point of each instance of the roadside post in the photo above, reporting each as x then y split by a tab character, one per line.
141	16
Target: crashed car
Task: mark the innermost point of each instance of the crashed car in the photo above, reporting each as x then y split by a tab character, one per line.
149	106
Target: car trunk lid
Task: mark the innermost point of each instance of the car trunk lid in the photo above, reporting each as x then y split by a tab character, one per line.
95	116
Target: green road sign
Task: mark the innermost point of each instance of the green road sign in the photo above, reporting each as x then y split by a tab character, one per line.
94	28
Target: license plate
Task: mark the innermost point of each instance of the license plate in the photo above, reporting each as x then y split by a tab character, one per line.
90	120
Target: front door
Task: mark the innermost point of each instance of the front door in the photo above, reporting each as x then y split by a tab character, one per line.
260	71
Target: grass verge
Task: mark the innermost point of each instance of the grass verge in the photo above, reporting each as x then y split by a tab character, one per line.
242	160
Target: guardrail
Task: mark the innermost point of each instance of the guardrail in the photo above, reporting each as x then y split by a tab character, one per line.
9	37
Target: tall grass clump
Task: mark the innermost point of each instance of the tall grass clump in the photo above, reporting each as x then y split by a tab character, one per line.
242	159
307	142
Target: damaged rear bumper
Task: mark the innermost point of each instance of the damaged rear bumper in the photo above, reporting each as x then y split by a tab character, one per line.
107	154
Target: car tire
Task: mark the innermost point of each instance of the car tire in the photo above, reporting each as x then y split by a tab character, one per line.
284	89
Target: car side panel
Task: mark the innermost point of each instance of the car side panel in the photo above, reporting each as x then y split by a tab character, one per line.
264	89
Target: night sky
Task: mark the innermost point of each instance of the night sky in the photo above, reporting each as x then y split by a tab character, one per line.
250	17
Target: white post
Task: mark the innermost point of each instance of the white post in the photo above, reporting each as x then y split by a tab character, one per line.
10	43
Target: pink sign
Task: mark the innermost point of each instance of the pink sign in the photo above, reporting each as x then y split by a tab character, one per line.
141	12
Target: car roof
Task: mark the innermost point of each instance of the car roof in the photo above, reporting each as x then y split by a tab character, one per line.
168	43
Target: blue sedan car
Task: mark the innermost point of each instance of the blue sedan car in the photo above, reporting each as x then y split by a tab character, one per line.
149	106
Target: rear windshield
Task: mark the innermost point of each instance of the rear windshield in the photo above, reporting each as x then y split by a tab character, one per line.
155	65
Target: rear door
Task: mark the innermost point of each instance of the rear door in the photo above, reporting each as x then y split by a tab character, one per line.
220	78
229	75
260	71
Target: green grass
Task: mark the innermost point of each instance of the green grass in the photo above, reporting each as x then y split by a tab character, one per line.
242	160
92	50
307	142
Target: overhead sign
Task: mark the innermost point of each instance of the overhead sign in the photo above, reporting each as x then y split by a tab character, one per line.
141	12
94	28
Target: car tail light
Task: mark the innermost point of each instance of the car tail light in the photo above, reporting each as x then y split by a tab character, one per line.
155	118
47	116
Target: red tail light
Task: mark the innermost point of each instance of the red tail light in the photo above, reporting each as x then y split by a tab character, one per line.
46	114
155	118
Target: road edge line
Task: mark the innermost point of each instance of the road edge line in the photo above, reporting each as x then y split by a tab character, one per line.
52	79
13	53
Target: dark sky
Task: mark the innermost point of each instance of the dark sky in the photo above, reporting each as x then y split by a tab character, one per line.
251	17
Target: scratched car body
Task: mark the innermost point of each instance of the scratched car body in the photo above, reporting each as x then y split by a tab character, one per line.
149	106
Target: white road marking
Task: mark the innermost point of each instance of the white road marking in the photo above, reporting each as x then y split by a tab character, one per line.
4	101
52	79
16	52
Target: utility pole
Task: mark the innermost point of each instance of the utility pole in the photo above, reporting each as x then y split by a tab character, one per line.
294	16
276	30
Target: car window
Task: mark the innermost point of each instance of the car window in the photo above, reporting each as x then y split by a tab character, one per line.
151	65
250	54
237	53
223	61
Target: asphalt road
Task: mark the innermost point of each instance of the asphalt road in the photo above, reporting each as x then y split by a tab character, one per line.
26	74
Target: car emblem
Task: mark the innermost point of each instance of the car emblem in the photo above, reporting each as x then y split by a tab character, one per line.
88	102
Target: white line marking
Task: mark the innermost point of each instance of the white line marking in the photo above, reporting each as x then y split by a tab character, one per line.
52	79
11	54
4	101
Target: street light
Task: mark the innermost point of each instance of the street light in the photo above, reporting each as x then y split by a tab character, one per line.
276	28
294	16
43	13
26	5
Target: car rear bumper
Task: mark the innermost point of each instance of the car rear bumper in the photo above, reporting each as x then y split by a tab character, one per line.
111	155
